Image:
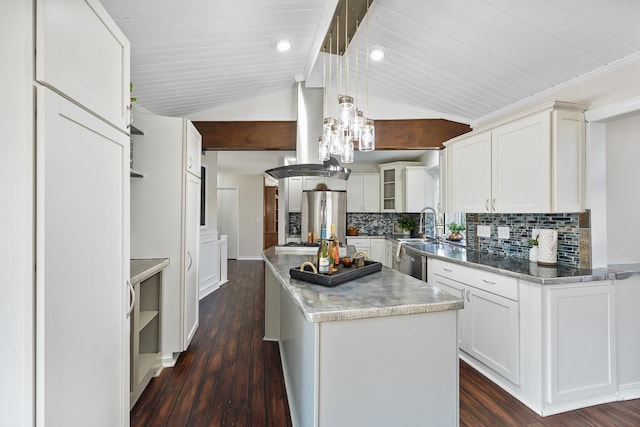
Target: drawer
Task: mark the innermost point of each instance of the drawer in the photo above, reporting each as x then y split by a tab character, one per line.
480	279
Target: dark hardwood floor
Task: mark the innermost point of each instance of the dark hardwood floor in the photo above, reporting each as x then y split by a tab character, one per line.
230	377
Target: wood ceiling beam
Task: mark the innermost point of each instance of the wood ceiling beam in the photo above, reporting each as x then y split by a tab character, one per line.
413	134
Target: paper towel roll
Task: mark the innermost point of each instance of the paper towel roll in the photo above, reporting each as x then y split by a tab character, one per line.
548	247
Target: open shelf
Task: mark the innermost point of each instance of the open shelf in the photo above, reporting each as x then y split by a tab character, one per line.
135	131
146	317
135	174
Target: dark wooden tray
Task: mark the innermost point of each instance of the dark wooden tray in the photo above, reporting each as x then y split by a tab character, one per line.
343	275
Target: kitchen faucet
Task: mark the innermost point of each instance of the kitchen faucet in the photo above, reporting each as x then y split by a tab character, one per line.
422	228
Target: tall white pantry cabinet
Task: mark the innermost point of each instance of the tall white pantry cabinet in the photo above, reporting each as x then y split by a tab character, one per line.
165	222
82	216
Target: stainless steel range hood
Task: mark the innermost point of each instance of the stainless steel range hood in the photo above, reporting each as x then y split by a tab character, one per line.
309	127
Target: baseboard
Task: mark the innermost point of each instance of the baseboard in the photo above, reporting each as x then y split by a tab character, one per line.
210	288
629	391
250	258
170	360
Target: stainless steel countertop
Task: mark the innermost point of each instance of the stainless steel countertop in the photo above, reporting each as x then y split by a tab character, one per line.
515	267
381	294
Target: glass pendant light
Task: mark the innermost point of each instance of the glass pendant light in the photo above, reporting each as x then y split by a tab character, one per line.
356	126
323	149
347	152
346	109
367	136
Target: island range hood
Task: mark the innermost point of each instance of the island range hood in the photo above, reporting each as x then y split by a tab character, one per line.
309	127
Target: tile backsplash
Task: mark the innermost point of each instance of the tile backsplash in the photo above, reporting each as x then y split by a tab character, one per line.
573	235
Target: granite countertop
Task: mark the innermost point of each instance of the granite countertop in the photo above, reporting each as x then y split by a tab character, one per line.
381	294
141	269
516	267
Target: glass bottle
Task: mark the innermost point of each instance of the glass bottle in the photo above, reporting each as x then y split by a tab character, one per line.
334	249
323	253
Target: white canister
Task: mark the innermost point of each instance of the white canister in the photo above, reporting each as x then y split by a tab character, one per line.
548	247
533	254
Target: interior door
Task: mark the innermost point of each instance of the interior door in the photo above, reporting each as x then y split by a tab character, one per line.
82	240
228	219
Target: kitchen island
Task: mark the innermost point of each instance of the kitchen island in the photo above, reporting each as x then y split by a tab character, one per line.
377	351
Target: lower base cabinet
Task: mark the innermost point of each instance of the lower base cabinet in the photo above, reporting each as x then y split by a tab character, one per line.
553	347
146	354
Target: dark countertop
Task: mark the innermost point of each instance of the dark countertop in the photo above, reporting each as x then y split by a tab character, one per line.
517	267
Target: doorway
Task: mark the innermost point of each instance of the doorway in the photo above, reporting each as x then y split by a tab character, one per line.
228	219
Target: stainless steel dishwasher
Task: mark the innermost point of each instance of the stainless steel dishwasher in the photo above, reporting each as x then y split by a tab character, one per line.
412	263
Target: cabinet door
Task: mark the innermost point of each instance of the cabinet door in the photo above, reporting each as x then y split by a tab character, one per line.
82	296
493	332
521	160
193	148
457	289
416	185
470	174
354	193
310	182
378	250
388	189
371	193
82	53
580	340
295	194
190	259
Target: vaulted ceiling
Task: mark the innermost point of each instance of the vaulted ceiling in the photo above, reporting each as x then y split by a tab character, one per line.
463	59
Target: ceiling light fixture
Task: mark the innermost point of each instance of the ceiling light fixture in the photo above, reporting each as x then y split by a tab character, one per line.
283	45
377	53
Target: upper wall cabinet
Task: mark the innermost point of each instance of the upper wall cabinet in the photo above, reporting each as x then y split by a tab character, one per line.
419	189
533	164
193	147
363	192
392	186
68	35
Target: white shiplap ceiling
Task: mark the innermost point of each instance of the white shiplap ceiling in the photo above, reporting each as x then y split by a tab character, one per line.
465	59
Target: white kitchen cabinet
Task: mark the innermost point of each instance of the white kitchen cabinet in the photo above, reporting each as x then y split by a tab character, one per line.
580	340
81	345
363	193
168	199
146	356
489	323
193	146
470	174
360	243
392	185
419	186
628	339
91	69
295	193
531	164
310	182
82	292
377	249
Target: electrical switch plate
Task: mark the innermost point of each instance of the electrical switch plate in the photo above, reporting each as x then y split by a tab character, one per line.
484	231
503	232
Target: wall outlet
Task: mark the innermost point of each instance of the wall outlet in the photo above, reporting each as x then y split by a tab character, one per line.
503	232
484	231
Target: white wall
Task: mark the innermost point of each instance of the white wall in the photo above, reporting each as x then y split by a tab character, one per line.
250	195
623	196
17	216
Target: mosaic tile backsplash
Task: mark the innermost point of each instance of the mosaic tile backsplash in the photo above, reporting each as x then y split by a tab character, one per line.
574	248
573	230
370	224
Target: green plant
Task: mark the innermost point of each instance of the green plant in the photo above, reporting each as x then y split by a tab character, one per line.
534	242
406	223
455	228
133	98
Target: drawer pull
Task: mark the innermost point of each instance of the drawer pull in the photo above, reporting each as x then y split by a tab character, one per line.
447	270
488	282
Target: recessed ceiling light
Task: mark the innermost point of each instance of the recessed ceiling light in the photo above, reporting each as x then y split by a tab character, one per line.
283	45
377	53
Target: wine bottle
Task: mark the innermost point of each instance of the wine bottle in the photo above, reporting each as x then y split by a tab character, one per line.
334	249
323	253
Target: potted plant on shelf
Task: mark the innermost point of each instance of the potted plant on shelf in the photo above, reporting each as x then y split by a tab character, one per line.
406	224
455	231
533	252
